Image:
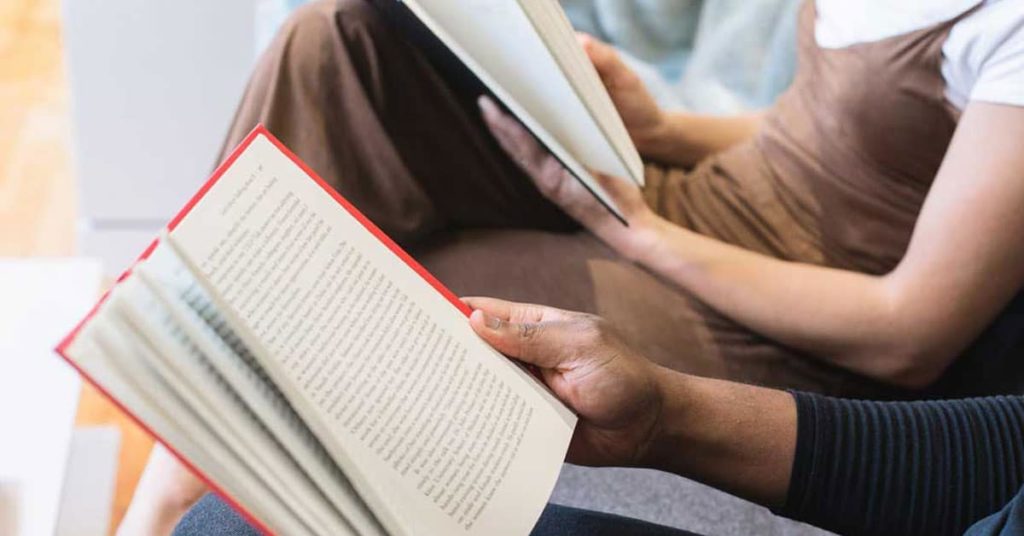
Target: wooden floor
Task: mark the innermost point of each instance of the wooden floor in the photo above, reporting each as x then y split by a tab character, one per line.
37	188
37	199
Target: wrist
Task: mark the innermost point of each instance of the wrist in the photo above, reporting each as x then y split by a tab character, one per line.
651	140
661	142
663	446
738	438
644	236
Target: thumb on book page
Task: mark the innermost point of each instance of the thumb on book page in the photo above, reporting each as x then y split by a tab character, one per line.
546	344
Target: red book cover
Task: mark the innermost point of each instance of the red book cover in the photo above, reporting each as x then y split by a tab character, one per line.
260	130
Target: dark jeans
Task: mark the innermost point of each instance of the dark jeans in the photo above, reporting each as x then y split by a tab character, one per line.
212	517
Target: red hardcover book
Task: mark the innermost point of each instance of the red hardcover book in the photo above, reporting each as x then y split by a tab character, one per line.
311	373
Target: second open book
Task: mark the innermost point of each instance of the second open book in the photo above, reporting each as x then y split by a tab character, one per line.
313	374
524	53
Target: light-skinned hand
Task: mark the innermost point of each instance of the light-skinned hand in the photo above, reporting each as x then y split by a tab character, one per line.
561	188
645	121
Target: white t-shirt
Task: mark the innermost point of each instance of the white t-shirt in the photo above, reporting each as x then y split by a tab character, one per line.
983	57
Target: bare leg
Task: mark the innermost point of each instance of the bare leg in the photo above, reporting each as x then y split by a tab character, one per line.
165	492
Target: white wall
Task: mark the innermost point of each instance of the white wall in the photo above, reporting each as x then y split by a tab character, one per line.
154	85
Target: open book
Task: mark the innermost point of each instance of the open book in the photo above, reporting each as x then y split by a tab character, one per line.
312	373
524	53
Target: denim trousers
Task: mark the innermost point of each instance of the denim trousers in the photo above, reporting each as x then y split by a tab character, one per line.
212	517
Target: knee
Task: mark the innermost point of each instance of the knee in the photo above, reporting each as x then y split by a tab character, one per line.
323	20
353	10
315	34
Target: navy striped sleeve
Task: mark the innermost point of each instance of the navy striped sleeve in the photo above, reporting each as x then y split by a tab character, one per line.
928	468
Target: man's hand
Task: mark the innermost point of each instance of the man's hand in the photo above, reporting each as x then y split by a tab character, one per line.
561	188
645	121
738	438
614	391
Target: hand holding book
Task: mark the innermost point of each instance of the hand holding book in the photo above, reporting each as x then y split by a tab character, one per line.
673	137
315	376
635	413
643	118
559	186
524	54
611	388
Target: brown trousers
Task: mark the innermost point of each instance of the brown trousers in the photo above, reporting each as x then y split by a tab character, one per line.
366	111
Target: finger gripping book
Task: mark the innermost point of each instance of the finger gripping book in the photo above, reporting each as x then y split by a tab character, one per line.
525	55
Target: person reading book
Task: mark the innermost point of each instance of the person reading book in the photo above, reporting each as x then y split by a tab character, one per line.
817	244
309	371
909	468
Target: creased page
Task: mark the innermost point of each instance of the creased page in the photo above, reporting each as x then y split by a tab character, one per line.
195	313
439	432
118	359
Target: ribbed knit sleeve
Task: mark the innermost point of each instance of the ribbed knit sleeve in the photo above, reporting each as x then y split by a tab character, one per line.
928	468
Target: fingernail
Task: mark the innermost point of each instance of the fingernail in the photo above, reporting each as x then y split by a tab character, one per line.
486	105
492	322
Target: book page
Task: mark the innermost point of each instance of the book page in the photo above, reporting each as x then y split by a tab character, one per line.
557	32
438	432
186	369
414	19
500	36
111	355
193	310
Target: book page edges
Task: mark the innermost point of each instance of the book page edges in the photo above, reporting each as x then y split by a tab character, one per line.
64	346
408	260
63	351
617	131
214	177
551	144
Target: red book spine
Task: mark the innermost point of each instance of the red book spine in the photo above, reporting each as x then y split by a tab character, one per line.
260	130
